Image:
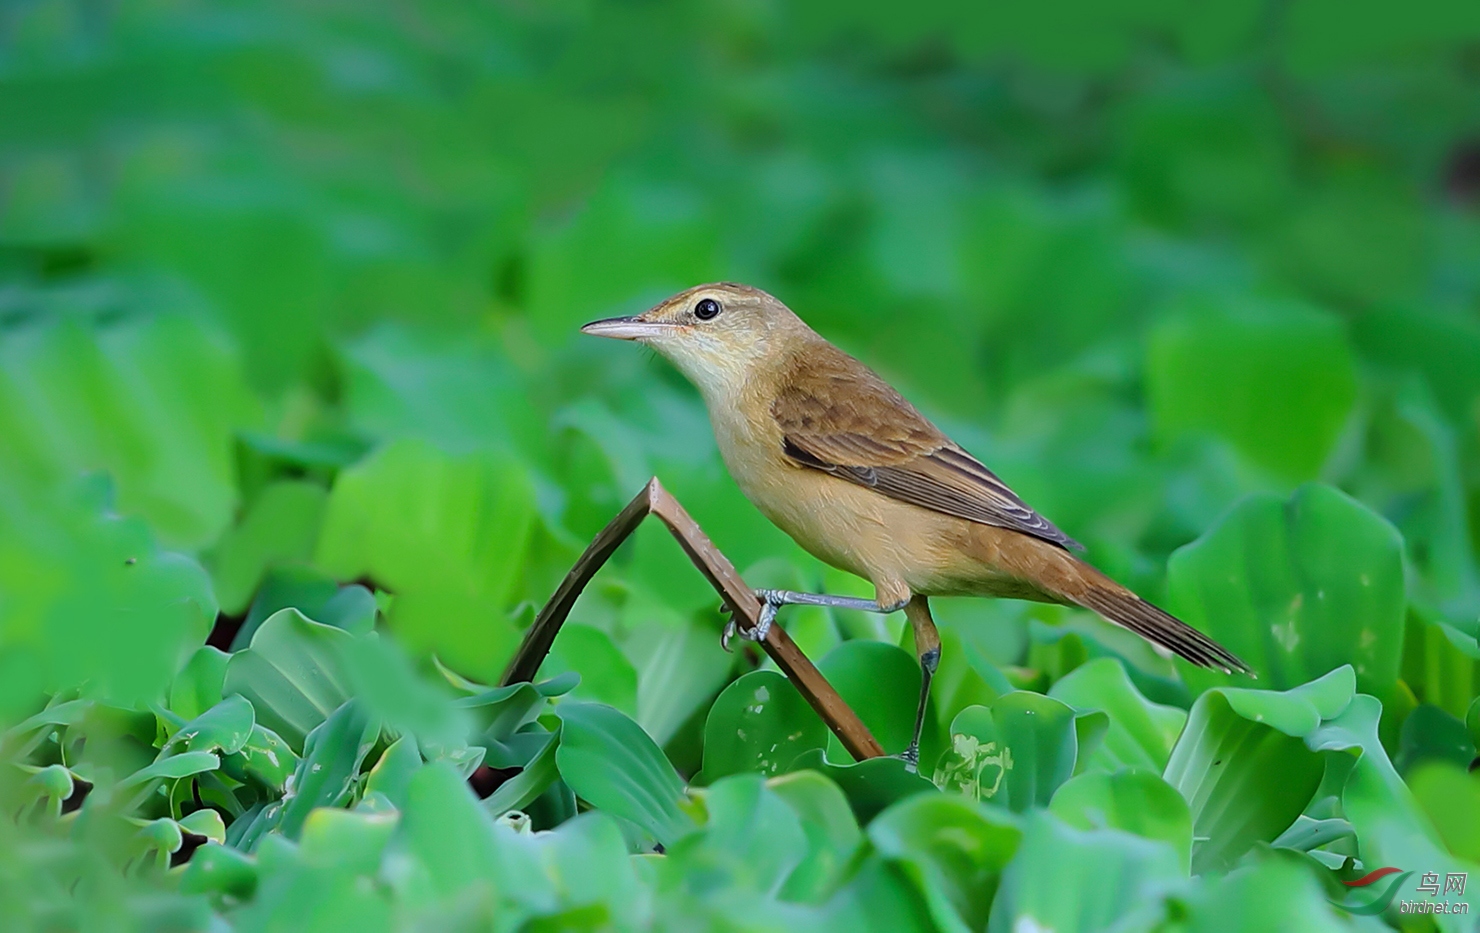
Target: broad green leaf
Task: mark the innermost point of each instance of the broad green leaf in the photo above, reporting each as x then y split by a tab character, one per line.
831	829
1140	732
346	839
224	728
197	687
1451	799
532	780
447	535
1296	588
1075	881
205	822
613	765
330	767
953	849
1431	734
871	785
1134	800
606	675
279	527
760	723
1261	897
1276	381
751	839
680	667
1015	753
265	759
174	767
391	775
882	684
1233	742
294	673
449	837
219	869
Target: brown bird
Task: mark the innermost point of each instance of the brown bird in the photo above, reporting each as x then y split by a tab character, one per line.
836	458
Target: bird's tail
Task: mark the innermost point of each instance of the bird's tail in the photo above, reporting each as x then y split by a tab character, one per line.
1126	609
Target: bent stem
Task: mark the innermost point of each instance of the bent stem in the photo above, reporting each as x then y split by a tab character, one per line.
721	574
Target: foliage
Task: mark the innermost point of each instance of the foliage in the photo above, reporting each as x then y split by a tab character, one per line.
295	431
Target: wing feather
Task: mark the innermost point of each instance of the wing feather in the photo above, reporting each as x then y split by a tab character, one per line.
838	417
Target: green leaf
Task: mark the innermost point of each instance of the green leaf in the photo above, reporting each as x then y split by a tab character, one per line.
612	764
393	771
1140	732
751	838
1233	742
223	728
1431	734
759	723
1015	753
326	776
447	535
1450	796
1277	381
882	684
265	759
606	674
449	837
279	527
1074	881
1296	588
294	674
953	849
831	829
175	767
221	870
532	780
1133	800
346	840
871	785
205	822
197	687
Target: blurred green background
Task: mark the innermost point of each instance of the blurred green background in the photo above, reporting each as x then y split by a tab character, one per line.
289	295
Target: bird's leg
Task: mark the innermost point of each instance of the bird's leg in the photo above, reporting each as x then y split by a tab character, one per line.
927	646
771	600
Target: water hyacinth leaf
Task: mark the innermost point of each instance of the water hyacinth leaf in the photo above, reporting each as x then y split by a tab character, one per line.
223	728
882	684
1431	734
347	840
1450	797
613	765
279	527
751	837
1296	588
197	687
393	771
1440	663
265	760
1307	834
446	534
1262	897
205	822
1078	881
831	829
1275	381
759	723
606	674
1015	753
532	780
174	767
1140	733
1234	740
1134	800
294	674
326	775
383	679
953	849
870	785
221	870
680	666
449	837
586	861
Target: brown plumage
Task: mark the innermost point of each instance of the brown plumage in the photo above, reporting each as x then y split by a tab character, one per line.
840	461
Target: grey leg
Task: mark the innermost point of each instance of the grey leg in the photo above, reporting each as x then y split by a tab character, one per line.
927	645
771	600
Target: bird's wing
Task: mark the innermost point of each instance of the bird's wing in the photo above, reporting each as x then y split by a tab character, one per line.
837	416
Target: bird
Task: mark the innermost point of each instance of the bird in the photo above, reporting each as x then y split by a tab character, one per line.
834	456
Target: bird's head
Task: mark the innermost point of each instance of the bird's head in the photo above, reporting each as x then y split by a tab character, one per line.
717	335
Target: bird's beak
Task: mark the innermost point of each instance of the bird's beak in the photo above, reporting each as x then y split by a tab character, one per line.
627	328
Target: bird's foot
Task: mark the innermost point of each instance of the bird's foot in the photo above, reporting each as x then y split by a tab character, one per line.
770	600
911	758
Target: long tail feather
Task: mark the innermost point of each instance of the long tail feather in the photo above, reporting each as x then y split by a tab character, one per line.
1128	610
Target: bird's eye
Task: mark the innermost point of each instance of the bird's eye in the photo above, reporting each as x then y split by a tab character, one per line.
706	309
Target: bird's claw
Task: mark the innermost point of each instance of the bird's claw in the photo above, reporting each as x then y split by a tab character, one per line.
762	625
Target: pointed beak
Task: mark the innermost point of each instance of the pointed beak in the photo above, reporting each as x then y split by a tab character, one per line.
627	328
